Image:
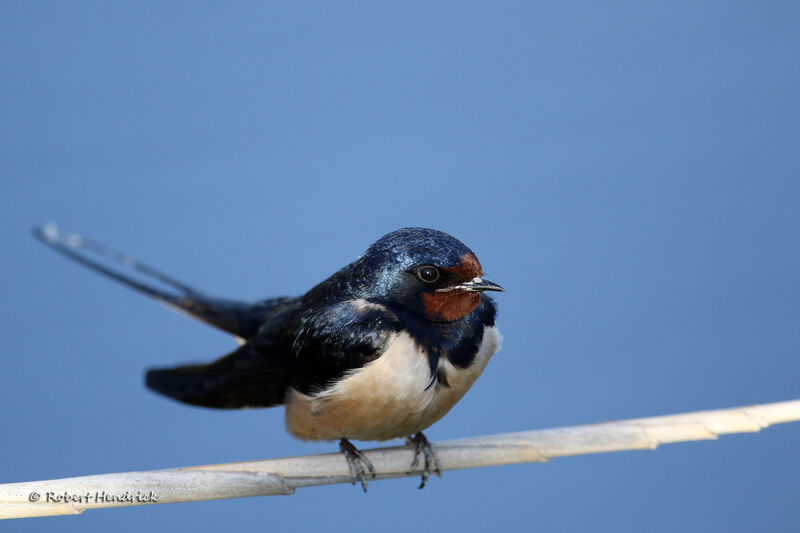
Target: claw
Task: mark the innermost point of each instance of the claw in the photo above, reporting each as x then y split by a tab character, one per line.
357	462
422	446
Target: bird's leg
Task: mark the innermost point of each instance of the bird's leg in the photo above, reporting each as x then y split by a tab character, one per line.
357	462
422	446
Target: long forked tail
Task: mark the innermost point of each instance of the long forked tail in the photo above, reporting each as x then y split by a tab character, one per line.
238	318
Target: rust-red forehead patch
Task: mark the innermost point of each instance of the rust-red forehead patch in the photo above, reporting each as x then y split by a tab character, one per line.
469	268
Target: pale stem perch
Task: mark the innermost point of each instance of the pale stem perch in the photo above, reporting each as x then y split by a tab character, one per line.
283	476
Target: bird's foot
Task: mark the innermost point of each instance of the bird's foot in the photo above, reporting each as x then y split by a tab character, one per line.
423	447
358	463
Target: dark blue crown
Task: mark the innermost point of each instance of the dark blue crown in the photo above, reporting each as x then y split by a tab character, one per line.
409	247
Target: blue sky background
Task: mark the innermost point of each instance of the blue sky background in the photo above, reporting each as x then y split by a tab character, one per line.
628	171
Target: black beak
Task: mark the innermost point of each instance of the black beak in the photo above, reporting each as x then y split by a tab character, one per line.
474	285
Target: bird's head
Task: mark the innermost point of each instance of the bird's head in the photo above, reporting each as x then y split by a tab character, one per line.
427	271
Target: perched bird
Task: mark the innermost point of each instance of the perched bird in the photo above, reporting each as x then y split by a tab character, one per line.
380	350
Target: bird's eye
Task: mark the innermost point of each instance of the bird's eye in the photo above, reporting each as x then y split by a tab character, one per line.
428	273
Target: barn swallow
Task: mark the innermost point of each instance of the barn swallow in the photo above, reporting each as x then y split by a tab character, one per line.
380	350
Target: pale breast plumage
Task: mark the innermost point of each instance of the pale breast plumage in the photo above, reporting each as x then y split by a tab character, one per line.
391	397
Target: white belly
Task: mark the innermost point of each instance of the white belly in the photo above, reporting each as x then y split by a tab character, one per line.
388	398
